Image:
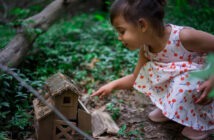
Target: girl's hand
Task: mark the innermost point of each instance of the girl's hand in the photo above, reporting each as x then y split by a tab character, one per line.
205	88
103	91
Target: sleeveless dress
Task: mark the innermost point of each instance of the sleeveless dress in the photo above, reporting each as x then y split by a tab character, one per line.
165	79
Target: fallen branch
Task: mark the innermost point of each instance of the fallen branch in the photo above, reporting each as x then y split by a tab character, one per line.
18	47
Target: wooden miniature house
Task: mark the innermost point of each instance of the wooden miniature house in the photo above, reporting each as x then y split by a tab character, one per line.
62	93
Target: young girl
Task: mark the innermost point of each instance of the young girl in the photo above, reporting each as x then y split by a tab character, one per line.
167	55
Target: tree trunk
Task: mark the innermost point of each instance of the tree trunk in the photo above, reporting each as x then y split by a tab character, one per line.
14	52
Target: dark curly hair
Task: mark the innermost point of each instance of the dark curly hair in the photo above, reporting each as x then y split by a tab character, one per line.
133	10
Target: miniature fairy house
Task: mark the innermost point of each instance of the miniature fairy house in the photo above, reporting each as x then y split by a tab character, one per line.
62	93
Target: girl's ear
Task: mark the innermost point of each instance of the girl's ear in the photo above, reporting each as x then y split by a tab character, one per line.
143	24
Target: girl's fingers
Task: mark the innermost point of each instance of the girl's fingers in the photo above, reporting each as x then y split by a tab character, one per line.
201	87
96	93
203	96
102	95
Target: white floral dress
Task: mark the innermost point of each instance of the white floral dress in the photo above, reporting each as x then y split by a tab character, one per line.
165	79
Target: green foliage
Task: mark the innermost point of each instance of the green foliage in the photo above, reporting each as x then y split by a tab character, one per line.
6	34
15	103
3	136
130	134
122	130
193	13
20	13
115	111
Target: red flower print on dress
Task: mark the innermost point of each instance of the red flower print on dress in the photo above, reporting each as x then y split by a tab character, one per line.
169	42
185	100
194	98
188	83
171	77
184	65
181	72
173	100
181	90
141	77
168	95
211	123
178	116
192	111
178	43
190	62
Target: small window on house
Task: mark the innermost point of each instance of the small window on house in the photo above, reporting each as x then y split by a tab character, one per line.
67	100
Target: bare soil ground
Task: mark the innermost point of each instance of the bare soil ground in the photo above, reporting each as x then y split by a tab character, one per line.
134	109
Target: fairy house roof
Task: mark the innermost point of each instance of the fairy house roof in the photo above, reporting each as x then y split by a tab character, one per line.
40	109
56	85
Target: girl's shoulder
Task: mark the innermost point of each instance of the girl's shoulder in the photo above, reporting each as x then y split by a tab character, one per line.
183	34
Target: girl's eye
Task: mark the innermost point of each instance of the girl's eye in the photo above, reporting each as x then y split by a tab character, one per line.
122	32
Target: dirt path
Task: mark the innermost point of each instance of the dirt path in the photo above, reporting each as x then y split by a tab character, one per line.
133	115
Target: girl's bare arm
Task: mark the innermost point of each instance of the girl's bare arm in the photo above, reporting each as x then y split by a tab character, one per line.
197	41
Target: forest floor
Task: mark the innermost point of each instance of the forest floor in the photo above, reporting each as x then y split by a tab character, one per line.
134	109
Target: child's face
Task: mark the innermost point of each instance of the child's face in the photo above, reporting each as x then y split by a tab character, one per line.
129	35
